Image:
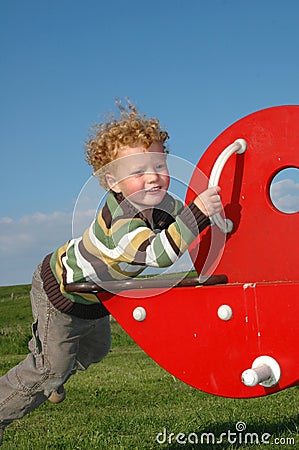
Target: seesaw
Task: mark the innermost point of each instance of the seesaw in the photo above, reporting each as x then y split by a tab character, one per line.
233	334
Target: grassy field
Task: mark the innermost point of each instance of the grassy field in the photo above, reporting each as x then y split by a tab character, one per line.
127	402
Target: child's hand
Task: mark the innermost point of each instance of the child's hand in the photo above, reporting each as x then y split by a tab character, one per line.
209	201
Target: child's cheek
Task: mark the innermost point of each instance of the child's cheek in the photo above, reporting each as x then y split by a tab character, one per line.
167	182
135	186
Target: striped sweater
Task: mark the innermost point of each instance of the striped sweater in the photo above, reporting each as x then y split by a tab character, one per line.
119	243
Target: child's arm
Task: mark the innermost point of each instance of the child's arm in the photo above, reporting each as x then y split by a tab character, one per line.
132	242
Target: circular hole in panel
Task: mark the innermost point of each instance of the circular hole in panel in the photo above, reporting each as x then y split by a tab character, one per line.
284	190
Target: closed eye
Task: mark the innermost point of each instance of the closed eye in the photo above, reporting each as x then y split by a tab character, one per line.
137	173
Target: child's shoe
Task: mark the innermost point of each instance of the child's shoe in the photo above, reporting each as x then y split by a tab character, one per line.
57	396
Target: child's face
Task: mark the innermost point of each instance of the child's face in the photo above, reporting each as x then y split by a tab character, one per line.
140	174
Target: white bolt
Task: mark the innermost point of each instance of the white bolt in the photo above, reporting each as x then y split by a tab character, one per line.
264	371
258	375
139	314
225	312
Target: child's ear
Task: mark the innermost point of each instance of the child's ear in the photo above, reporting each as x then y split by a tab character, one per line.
112	183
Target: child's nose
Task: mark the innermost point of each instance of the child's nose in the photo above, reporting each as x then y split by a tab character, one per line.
152	176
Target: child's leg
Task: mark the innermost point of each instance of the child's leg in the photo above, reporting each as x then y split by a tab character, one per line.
53	356
95	345
21	389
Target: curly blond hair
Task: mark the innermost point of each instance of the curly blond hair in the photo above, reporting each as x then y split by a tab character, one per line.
130	130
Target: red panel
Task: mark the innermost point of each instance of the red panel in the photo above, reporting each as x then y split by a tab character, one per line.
183	333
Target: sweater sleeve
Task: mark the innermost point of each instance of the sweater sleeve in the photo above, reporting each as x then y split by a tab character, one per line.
131	241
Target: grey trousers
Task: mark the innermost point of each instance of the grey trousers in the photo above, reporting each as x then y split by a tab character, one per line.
61	344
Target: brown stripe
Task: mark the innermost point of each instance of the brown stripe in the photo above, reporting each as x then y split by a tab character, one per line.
194	218
97	264
140	256
106	215
64	271
172	243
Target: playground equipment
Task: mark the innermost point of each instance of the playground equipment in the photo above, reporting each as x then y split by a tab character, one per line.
233	334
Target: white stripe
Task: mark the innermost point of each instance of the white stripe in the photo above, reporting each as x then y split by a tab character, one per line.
83	264
168	248
122	244
69	270
151	257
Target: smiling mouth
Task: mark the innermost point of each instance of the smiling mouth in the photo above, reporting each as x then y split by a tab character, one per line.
154	189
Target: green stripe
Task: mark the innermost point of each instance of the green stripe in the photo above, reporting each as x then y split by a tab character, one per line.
162	257
114	207
127	227
102	237
183	230
72	263
75	298
178	207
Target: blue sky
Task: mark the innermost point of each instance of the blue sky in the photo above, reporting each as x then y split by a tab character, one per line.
199	65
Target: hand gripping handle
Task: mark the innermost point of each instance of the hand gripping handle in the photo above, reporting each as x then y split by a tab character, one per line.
239	146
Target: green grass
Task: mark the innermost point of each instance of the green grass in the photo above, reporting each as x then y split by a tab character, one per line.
15	320
126	400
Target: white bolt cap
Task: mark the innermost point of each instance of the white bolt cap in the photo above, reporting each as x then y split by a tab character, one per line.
250	378
225	312
139	314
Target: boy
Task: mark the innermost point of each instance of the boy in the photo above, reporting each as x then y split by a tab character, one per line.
140	225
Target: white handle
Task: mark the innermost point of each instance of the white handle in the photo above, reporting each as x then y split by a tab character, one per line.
239	146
